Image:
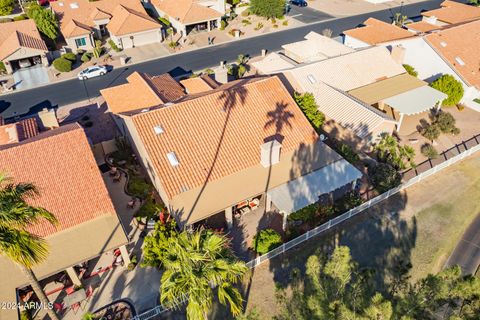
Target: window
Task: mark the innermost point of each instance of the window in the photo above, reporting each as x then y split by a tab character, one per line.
80	42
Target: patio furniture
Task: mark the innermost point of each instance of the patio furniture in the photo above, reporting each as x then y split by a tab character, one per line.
59	307
89	292
69	290
117	177
113	171
254	203
131	203
245	210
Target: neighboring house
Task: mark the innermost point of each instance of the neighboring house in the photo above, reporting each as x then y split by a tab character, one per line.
61	164
451	12
188	15
124	21
210	152
315	47
21	40
374	32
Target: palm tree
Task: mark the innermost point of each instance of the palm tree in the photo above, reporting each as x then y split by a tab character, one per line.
197	263
16	242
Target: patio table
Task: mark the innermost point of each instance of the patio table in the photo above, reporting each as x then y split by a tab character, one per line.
76	297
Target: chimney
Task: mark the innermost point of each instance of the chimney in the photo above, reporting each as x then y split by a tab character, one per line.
398	54
270	153
48	119
221	74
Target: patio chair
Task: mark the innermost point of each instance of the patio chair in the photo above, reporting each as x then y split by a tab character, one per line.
59	307
69	290
89	292
75	307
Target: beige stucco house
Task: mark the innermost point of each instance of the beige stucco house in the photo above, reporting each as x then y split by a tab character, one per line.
187	15
212	151
61	165
21	40
125	21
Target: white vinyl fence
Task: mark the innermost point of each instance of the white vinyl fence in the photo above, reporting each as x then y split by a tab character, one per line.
335	221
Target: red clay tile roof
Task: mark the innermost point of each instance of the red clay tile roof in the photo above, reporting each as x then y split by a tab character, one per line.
195	85
454	12
186	11
224	127
61	164
422	26
376	31
19	131
460	46
19	34
148	92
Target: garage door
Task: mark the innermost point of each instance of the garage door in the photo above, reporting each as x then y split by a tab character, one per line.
30	77
142	39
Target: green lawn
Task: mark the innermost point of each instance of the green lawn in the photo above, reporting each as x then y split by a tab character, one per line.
421	225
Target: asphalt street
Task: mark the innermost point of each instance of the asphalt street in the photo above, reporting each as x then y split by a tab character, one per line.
467	252
70	91
307	14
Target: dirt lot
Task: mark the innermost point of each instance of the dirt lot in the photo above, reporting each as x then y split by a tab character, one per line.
421	225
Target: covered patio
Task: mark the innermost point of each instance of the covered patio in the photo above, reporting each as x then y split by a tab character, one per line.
407	106
305	190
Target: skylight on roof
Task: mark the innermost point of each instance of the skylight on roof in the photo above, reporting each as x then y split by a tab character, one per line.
459	61
311	78
74	5
172	158
443	44
158	130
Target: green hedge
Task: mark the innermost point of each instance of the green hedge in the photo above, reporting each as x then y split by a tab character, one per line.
86	57
2	67
62	65
266	240
114	46
20	17
69	56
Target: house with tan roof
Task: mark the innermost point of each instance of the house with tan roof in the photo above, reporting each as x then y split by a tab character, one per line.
62	166
21	40
245	143
451	12
124	21
374	32
188	15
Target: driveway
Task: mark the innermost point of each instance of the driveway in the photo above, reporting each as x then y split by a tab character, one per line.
467	251
307	14
31	77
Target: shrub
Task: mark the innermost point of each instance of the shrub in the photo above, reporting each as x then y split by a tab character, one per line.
20	17
70	56
6	7
133	263
384	177
246	13
451	87
86	57
461	106
173	44
430	132
259	26
429	151
246	22
114	46
223	24
62	65
312	214
446	123
307	104
156	243
350	200
275	26
410	70
266	240
149	210
138	187
285	23
2	67
98	50
165	21
274	21
347	152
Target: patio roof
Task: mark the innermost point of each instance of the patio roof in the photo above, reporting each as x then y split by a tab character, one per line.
299	193
380	90
416	101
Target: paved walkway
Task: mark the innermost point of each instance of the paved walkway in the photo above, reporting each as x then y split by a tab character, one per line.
467	251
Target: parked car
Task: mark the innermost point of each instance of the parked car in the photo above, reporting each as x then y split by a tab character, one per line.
299	3
24	63
92	72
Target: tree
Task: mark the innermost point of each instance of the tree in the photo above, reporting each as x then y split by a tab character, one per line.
410	70
268	8
195	265
16	242
308	105
155	244
429	151
6	7
384	177
239	69
97	51
451	87
45	20
399	19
